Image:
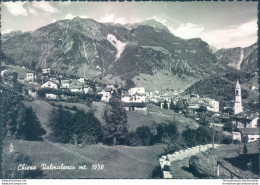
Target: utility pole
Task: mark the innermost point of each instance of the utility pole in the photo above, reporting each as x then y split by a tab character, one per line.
213	133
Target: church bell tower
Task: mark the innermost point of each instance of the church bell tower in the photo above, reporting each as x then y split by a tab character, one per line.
238	99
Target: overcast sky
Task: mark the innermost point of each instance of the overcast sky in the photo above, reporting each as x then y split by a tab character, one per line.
221	24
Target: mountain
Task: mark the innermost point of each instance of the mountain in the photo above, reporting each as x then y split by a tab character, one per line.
84	47
244	59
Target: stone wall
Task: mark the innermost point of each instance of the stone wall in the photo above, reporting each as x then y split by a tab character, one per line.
165	160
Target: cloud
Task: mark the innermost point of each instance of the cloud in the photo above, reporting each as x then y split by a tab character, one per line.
7	31
120	20
107	18
83	17
44	7
16	8
33	11
241	35
70	16
158	19
187	31
112	18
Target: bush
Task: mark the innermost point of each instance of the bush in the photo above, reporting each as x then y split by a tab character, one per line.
133	139
10	164
145	135
228	127
202	135
74	108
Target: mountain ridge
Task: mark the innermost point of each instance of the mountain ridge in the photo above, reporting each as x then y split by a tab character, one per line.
84	47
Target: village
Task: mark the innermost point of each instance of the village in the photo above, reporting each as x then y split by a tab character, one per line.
47	86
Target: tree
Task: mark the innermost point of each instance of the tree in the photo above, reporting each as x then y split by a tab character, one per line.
165	106
33	65
18	121
171	105
145	135
61	124
180	105
31	129
87	129
116	127
245	149
228	126
129	83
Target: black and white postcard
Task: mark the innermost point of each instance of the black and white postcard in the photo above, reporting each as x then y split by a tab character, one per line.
129	90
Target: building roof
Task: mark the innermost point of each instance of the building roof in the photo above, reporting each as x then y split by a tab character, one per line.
50	81
140	94
246	115
65	81
76	87
237	85
99	89
108	89
249	131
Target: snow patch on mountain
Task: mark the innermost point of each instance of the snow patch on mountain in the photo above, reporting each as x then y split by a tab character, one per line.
241	59
120	46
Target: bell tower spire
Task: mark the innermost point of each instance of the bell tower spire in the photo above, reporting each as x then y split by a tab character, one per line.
238	99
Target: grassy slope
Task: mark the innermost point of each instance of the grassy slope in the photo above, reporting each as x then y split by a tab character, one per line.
80	106
206	161
119	161
163	80
163	115
154	114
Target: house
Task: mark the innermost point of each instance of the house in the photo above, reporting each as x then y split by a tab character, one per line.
213	105
111	86
137	94
135	99
106	94
76	88
246	134
31	76
50	84
253	87
81	80
136	107
125	98
135	90
194	96
245	119
51	96
46	71
87	90
168	105
65	84
32	93
53	79
194	106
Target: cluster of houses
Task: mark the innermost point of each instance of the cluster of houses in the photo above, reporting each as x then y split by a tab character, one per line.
47	80
193	101
133	99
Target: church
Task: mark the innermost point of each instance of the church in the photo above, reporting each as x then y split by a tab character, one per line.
246	127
